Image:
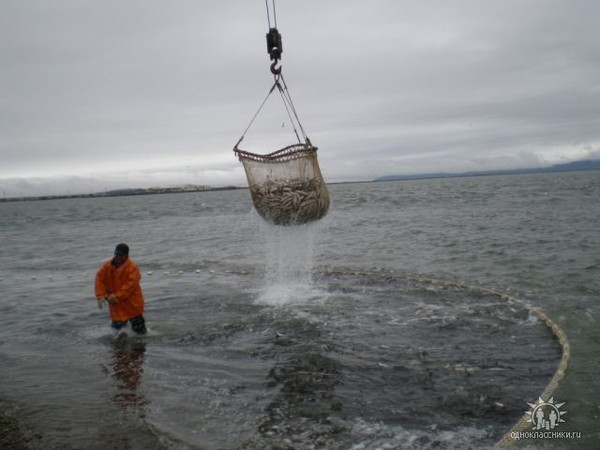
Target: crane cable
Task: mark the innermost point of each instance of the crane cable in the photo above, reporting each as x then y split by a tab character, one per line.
274	49
269	15
289	107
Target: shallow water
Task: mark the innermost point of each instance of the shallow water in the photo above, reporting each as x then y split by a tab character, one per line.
311	337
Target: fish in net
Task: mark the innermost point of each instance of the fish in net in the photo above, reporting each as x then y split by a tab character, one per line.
286	186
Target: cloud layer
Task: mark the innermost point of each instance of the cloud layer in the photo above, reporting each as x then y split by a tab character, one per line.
114	94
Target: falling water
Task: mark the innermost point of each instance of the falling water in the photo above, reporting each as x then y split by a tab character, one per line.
289	261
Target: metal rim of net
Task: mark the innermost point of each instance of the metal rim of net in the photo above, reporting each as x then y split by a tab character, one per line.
289	153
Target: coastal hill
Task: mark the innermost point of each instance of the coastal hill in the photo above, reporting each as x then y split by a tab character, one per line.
569	167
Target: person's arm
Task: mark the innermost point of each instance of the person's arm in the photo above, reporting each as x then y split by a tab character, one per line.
100	283
100	286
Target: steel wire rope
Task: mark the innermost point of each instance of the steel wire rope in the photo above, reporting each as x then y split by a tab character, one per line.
289	107
287	99
257	112
283	91
274	13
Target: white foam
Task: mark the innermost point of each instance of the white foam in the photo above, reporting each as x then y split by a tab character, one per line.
369	435
279	294
98	332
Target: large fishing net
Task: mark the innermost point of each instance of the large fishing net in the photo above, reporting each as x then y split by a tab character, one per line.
286	186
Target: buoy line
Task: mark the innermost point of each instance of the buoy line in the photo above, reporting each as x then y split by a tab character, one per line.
559	333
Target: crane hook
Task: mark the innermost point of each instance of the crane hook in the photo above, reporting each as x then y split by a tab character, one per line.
275	70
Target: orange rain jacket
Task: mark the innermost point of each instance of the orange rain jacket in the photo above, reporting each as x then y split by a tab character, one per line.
124	283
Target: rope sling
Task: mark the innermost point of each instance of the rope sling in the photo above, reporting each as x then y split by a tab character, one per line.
286	186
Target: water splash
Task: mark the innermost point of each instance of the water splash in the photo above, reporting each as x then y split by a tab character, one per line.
289	253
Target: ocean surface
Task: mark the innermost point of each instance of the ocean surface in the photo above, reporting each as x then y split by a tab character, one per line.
326	336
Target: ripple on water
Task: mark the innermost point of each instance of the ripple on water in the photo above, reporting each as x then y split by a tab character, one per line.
374	360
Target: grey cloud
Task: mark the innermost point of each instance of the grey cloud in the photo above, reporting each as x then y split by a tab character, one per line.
381	87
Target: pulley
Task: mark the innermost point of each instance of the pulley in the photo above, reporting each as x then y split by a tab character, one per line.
274	49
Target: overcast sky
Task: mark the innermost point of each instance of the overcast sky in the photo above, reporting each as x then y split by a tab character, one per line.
107	94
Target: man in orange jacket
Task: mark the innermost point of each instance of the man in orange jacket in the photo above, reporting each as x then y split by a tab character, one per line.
118	284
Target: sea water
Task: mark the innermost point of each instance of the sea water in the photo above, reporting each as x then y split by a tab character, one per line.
318	336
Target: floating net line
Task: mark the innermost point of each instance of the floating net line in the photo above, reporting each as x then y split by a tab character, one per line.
523	423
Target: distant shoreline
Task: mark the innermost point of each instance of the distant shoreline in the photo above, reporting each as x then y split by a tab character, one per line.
123	193
577	166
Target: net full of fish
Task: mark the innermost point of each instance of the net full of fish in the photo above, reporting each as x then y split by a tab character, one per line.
290	202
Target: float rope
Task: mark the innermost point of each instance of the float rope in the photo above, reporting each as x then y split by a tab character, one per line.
558	332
